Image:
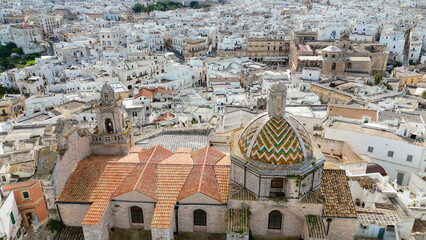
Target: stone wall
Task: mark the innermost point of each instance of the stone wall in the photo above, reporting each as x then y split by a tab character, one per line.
341	228
334	95
113	149
216	218
351	112
293	215
122	216
100	231
162	234
78	149
72	214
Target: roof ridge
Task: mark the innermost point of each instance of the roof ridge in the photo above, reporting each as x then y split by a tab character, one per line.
202	170
144	168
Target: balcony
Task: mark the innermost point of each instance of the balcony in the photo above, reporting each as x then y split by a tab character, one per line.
113	138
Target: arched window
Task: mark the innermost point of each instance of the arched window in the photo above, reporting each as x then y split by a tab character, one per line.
137	214
333	56
333	66
274	220
200	217
108	125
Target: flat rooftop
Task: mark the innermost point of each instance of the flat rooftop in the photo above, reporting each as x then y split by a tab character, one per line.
370	131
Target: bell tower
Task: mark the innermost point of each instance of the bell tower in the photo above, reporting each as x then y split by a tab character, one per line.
109	115
114	134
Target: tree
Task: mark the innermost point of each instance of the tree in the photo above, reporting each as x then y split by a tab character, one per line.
5	64
18	51
11	45
378	78
193	4
388	86
424	95
138	8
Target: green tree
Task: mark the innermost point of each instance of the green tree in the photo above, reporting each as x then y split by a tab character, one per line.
193	4
18	51
4	52
138	8
424	95
378	78
5	64
11	45
388	86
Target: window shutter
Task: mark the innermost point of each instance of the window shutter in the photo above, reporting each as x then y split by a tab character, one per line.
12	218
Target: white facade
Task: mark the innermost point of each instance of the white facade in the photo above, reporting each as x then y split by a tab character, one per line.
10	219
395	42
386	149
312	74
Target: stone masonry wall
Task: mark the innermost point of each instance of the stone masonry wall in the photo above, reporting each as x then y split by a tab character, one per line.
78	149
341	229
100	231
122	216
73	214
162	234
216	217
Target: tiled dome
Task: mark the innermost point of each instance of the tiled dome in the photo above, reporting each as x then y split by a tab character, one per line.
276	140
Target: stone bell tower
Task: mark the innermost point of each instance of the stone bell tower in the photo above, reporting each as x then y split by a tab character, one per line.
114	134
277	100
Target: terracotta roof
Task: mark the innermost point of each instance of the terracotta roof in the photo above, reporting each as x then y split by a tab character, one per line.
375	168
163	117
144	93
203	178
337	195
19	185
316	227
156	172
142	178
112	176
170	179
150	93
238	220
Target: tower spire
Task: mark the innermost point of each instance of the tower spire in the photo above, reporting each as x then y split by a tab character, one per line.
277	100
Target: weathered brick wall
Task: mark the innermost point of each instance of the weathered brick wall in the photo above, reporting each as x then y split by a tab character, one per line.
78	149
73	214
122	216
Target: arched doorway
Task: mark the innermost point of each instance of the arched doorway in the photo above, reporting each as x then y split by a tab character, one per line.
109	126
333	66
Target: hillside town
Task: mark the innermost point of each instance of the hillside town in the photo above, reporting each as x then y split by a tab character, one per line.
219	119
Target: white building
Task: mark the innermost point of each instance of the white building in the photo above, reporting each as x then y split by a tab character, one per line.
395	42
10	218
399	156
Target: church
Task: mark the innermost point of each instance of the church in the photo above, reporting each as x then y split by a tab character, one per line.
274	183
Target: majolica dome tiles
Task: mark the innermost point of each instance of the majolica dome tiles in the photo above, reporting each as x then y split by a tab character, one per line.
276	140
